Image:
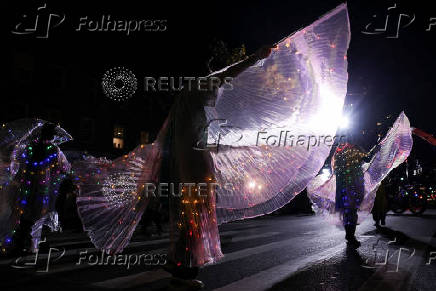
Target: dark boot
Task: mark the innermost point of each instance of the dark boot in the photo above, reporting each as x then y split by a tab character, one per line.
349	236
22	237
383	219
181	272
177	284
183	278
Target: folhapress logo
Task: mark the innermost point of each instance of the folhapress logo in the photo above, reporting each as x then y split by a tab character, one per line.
39	24
106	23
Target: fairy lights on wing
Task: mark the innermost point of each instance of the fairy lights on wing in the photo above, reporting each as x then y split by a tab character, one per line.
37	177
253	185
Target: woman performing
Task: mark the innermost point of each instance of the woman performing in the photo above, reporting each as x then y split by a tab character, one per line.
220	137
31	175
350	191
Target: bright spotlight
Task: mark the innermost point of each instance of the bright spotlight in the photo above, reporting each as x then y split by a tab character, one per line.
344	123
326	172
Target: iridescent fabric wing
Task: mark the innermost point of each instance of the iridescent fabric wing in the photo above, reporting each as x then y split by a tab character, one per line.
111	200
28	128
322	192
298	90
391	152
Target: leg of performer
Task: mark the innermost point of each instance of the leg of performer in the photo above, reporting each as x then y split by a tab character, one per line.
350	223
22	237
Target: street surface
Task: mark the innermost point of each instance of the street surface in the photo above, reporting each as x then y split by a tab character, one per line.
269	253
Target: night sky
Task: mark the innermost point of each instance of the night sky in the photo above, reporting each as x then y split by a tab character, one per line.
386	75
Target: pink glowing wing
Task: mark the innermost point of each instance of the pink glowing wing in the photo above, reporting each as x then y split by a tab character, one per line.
299	89
322	192
390	152
110	201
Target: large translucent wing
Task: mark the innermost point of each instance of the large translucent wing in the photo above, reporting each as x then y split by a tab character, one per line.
298	90
390	152
26	129
322	192
111	199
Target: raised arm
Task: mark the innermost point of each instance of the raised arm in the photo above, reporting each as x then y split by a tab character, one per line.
234	70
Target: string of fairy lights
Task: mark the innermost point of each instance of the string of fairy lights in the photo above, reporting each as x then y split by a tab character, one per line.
349	174
37	179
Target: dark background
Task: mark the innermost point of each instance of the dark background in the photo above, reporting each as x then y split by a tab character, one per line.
59	78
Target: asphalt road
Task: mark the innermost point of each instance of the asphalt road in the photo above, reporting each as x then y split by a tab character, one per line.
269	253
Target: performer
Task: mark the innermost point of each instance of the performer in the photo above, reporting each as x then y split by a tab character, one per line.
350	189
381	207
348	194
299	87
193	222
37	169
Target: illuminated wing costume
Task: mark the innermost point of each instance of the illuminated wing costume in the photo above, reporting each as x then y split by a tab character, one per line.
389	153
109	201
25	187
300	88
298	91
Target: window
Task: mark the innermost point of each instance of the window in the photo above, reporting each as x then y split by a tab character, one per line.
118	140
118	143
144	138
118	131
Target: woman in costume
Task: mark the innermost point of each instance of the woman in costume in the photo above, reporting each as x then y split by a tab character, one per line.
31	178
347	164
381	206
194	228
348	194
299	88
